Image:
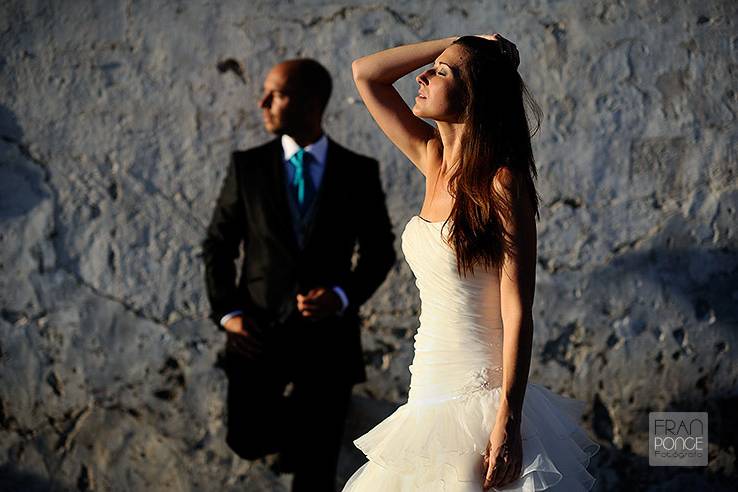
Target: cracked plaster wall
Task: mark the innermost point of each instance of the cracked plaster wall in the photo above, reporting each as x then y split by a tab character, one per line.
116	121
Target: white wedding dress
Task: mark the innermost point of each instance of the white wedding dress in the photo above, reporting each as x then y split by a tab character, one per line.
435	441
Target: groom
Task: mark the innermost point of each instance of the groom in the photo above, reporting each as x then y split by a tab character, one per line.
299	204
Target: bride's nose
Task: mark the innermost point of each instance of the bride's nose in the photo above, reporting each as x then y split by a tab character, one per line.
422	79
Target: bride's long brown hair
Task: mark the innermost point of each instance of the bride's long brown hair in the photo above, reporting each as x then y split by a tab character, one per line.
497	134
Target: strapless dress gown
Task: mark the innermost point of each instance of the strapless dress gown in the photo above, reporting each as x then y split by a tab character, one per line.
436	441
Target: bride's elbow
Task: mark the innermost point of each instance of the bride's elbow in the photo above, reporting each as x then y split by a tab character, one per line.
364	69
357	69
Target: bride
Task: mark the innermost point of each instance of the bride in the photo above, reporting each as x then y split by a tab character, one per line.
472	420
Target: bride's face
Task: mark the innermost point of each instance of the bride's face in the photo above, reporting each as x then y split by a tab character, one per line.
441	90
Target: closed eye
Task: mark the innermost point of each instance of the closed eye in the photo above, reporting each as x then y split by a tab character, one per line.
436	72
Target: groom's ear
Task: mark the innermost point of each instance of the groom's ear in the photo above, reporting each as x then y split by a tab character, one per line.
311	104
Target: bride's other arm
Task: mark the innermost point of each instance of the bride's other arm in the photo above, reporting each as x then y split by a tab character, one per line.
374	75
502	463
517	289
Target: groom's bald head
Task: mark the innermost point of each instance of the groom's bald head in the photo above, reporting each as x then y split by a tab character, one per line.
311	80
296	93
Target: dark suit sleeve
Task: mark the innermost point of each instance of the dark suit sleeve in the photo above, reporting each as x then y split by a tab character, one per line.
376	254
221	247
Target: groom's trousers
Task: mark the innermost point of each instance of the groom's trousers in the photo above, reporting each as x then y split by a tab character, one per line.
291	398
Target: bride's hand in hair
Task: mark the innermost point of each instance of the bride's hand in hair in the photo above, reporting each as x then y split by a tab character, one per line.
507	46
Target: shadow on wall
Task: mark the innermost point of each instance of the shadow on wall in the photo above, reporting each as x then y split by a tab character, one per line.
20	189
621	469
9	129
700	280
12	480
699	285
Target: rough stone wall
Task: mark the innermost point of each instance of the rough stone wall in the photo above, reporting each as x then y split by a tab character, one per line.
116	121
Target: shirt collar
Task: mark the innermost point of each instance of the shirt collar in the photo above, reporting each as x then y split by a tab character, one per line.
317	149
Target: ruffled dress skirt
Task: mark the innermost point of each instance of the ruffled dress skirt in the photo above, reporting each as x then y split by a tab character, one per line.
438	445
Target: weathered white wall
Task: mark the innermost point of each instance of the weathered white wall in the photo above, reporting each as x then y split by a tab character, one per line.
116	125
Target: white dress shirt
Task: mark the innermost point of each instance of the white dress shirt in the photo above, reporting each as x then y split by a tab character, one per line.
318	150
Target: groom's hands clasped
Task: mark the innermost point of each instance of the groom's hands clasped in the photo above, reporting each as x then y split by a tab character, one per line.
318	303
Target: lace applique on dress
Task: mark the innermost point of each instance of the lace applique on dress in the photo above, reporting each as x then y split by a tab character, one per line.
483	379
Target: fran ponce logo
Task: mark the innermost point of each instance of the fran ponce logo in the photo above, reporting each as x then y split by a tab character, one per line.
677	438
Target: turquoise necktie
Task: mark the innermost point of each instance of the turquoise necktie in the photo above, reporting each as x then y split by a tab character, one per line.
302	184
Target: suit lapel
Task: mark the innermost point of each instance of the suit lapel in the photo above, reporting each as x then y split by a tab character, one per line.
326	194
277	191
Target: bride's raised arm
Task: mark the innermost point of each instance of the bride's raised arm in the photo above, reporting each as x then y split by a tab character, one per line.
374	75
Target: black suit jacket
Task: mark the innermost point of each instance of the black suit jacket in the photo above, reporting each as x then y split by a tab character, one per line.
253	208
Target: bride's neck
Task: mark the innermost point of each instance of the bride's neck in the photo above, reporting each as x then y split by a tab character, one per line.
451	140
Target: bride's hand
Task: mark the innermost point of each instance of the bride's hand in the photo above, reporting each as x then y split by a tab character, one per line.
502	461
